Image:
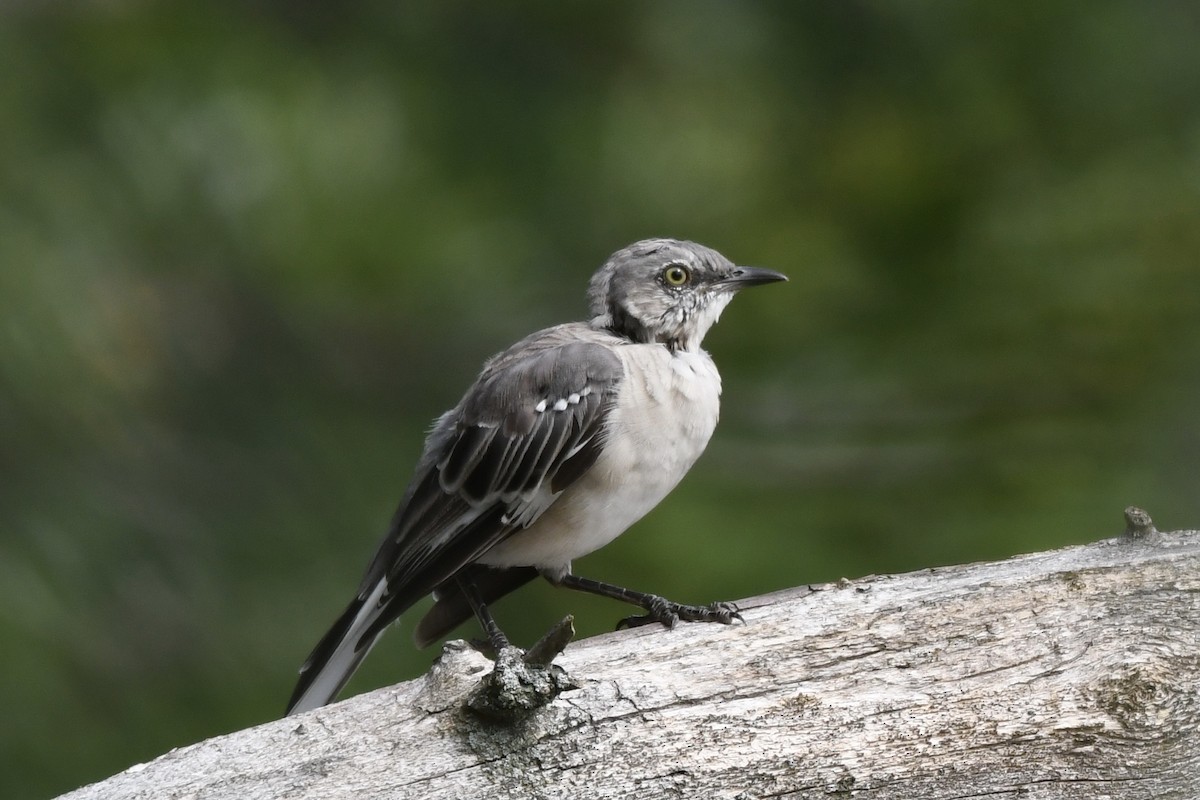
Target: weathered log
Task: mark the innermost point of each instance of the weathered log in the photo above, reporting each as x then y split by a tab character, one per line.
1073	673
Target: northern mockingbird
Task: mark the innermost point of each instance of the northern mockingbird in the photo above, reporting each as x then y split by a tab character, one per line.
564	440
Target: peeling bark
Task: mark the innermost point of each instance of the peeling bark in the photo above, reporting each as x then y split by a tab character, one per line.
1073	673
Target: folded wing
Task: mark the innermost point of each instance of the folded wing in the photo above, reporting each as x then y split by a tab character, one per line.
531	424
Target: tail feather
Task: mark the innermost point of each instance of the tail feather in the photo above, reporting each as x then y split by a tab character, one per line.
337	655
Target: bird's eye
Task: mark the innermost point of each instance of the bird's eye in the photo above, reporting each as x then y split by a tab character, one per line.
676	275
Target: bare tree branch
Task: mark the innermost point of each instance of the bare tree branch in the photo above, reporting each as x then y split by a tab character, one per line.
1073	673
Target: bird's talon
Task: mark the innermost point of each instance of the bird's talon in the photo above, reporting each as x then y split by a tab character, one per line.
726	613
663	613
669	614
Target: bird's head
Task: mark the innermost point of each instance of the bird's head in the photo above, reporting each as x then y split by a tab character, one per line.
668	291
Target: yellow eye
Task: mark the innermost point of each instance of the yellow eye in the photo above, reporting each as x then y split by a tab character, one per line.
676	275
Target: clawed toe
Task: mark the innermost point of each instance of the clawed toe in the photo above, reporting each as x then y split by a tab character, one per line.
724	613
635	621
668	614
659	610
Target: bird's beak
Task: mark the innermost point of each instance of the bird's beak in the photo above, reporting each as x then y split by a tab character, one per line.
741	277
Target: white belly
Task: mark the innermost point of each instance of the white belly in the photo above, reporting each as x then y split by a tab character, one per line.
666	411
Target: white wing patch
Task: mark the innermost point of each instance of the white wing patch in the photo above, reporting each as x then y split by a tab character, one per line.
562	403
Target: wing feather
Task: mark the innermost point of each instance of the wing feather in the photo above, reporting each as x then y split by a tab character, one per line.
529	427
471	446
497	462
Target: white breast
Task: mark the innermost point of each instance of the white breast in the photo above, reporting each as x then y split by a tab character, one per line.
665	413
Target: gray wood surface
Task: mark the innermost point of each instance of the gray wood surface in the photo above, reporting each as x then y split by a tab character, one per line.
1073	673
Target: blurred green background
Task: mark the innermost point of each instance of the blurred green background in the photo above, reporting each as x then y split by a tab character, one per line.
248	251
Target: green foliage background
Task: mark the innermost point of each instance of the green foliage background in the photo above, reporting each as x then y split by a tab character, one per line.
248	251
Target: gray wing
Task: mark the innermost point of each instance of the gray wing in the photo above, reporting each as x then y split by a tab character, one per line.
531	424
529	427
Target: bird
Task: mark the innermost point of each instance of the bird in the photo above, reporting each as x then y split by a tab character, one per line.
564	441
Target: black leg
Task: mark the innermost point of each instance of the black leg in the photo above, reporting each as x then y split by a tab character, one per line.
495	636
658	609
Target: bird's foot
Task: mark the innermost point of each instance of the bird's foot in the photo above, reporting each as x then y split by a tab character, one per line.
667	613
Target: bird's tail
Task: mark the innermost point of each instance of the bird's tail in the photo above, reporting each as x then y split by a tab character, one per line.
338	654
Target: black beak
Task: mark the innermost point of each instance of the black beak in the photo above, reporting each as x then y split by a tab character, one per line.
741	277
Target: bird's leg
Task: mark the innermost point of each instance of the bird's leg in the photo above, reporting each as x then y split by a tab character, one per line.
519	683
495	636
658	609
